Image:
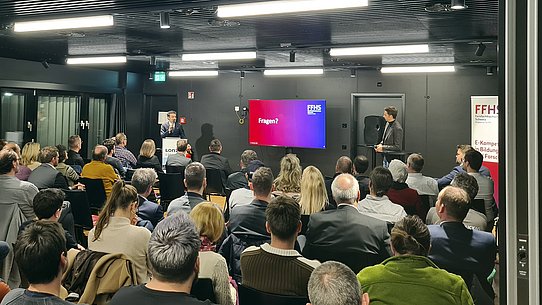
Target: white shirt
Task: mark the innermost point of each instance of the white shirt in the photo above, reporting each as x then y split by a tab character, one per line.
239	197
381	208
422	184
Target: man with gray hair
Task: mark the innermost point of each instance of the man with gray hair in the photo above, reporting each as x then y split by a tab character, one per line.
334	283
173	253
345	234
143	180
195	183
416	180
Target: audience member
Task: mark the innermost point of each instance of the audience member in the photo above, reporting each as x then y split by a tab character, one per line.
392	138
472	162
67	171
377	204
344	234
410	270
40	253
244	196
238	179
146	158
401	194
361	164
143	180
171	128
195	183
23	172
98	169
264	267
313	197
74	159
30	154
342	166
416	180
460	153
214	160
14	190
288	182
334	283
114	162
179	159
46	175
122	153
209	222
114	232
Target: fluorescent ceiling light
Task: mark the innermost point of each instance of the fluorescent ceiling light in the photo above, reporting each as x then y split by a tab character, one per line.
219	56
193	73
96	60
293	72
65	23
8	94
285	6
418	69
380	50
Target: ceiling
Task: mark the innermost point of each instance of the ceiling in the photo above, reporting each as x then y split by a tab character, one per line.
453	36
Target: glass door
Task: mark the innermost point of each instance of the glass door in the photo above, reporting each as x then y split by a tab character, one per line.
58	118
96	124
17	116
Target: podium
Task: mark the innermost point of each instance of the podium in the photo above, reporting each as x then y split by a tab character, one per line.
169	147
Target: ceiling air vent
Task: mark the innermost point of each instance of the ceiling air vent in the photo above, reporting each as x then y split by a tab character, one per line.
438	7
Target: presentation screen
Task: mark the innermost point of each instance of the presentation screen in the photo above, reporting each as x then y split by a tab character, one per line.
287	123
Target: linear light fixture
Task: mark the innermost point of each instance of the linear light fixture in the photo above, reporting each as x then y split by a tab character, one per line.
418	69
96	60
219	56
380	50
164	20
277	72
285	6
64	23
193	73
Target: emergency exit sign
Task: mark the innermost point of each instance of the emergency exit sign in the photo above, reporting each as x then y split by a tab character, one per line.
159	76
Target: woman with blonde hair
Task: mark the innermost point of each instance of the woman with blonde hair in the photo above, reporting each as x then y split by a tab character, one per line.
288	181
210	224
313	197
146	158
30	154
115	233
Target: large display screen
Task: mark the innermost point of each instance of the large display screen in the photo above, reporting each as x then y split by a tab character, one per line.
287	123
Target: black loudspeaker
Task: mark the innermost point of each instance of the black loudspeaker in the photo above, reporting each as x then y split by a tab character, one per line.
374	129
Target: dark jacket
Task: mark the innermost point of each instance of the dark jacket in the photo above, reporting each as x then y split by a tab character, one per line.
149	210
46	176
76	278
216	161
117	165
152	162
178	131
75	158
233	246
392	139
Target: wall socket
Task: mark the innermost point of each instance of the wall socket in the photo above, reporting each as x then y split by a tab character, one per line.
236	108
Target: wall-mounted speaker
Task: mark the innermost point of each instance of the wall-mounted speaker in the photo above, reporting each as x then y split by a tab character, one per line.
374	129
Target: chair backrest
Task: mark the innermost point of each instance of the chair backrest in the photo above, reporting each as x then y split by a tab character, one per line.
479	205
171	186
170	169
215	183
82	217
95	193
203	290
354	259
251	296
129	174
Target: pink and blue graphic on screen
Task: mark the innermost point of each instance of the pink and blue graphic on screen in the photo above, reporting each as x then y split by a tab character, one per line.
288	123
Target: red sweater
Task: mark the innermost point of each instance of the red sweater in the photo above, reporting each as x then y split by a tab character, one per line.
408	198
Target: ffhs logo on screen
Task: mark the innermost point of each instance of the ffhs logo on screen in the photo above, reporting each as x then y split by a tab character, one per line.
314	109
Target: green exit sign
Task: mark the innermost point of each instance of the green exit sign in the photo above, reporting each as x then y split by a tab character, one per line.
159	76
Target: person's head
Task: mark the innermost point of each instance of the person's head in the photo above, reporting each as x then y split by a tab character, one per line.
473	159
99	153
209	220
75	142
143	180
123	198
361	164
9	161
110	145
262	182
215	146
289	178
415	163
453	204
380	181
120	139
13	146
466	182
147	148
343	165
283	218
30	153
410	236
182	145
3	143
345	189
62	153
246	157
460	152
313	197
195	177
334	283
172	116
251	168
390	114
49	154
173	250
47	203
40	252
398	170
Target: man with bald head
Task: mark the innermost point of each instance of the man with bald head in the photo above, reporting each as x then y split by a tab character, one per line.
345	234
98	169
344	165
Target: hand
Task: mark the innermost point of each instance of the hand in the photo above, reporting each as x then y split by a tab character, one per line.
78	186
379	148
79	247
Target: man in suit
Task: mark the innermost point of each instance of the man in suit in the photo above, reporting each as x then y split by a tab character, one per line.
143	180
215	160
344	234
171	128
392	139
46	175
459	155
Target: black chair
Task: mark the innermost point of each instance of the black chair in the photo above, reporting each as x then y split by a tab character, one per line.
203	290
129	174
82	216
354	259
215	185
171	187
251	296
170	169
95	193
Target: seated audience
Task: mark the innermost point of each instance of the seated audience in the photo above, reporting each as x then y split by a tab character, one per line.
342	166
401	194
460	153
122	153
14	190
117	165
472	163
209	222
377	204
30	154
238	180
143	180
146	158
98	169
416	180
23	172
409	270
74	159
344	234
215	160
46	175
40	252
245	195
361	164
179	159
195	183
474	219
114	232
334	283
313	197
173	256
264	267
288	182
67	171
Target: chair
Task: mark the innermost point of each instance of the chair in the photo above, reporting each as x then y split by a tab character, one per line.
251	296
95	193
203	290
82	215
215	185
354	259
171	186
171	169
129	174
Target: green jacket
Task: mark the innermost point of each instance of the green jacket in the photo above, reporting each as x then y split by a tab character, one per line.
415	280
